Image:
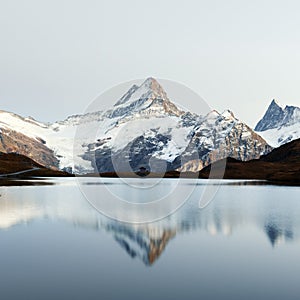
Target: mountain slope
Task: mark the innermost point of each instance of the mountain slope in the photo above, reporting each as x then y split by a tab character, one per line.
282	164
148	131
279	125
220	136
143	129
50	145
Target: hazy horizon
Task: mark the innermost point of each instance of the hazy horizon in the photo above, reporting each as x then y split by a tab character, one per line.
57	56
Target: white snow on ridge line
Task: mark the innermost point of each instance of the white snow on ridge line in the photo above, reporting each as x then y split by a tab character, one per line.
58	138
135	96
165	126
17	123
279	136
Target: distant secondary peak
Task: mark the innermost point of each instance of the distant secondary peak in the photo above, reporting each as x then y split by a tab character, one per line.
272	118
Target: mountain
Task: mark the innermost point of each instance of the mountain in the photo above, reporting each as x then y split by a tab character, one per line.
50	145
146	130
25	136
279	125
282	164
219	136
143	129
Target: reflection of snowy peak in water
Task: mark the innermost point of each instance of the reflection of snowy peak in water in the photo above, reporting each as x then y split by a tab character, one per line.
147	242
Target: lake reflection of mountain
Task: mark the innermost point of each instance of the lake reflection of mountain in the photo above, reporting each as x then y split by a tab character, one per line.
235	208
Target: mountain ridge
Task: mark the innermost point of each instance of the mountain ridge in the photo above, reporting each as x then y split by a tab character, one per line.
279	125
143	128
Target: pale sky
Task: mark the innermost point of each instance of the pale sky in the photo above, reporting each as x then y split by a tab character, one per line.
56	56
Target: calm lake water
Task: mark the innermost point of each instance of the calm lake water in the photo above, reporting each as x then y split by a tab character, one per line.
244	245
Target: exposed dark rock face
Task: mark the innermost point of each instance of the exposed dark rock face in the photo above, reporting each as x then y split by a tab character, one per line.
137	154
272	119
276	117
279	125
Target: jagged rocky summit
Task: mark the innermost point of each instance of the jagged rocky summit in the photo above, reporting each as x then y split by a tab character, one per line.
279	125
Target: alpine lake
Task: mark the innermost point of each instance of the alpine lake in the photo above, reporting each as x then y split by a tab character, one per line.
245	244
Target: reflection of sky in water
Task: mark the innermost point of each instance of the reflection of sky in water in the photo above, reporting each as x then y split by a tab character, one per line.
134	190
248	234
275	210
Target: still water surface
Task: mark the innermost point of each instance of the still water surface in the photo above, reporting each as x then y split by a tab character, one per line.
243	245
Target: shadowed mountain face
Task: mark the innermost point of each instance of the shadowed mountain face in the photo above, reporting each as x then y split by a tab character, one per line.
282	164
273	117
279	125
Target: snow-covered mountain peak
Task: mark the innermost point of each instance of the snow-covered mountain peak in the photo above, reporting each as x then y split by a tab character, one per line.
150	88
280	124
276	117
148	99
143	126
155	88
272	118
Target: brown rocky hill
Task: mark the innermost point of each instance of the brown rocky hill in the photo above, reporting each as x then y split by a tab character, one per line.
16	142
